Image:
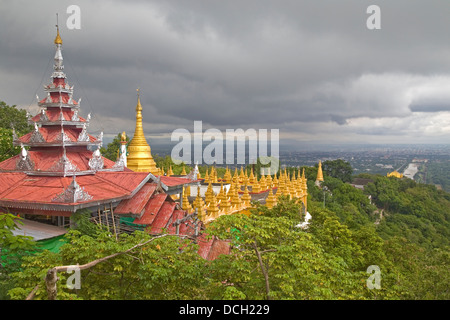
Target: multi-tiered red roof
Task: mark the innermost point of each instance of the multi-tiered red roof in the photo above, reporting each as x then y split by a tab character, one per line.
62	170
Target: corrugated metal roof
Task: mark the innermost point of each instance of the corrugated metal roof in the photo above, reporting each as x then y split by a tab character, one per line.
151	209
163	216
174	181
136	205
40	190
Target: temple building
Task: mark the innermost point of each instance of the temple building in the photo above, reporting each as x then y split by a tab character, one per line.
60	171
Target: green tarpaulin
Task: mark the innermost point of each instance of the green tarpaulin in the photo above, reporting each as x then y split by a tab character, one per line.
129	222
52	244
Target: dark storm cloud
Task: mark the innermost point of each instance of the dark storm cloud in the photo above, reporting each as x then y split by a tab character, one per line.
430	107
267	64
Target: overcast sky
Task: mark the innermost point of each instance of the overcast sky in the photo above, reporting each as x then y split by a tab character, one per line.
311	69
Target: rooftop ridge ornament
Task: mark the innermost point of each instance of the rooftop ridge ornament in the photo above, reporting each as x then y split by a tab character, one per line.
24	162
83	136
75	116
73	193
96	163
61	115
62	137
100	138
36	136
193	174
64	165
43	116
119	164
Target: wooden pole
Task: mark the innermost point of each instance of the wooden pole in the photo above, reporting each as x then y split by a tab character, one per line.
106	217
114	223
99	217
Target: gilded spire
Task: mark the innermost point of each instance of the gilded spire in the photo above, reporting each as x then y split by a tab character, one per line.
319	172
58	39
140	158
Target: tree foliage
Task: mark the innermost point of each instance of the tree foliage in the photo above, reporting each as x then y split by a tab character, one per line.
112	150
11	117
13	248
271	256
339	169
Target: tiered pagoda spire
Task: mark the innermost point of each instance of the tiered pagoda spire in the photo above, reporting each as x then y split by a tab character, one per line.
60	145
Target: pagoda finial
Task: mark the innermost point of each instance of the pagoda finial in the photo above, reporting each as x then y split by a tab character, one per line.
138	106
58	39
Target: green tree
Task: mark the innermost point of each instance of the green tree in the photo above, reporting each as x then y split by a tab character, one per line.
272	258
339	168
11	117
13	248
112	150
162	267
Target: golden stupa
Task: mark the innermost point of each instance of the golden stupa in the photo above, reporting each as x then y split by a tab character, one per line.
139	153
319	172
396	174
319	177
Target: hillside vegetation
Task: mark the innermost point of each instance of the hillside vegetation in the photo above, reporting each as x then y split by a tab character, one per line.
395	225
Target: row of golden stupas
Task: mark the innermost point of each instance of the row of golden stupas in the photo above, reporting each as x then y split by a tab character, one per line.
240	185
241	188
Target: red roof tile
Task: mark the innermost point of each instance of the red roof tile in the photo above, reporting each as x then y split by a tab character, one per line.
53	114
54	96
211	249
136	205
38	191
174	181
162	218
204	247
177	214
218	248
151	209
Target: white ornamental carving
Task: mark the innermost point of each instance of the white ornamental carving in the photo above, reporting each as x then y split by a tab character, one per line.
72	194
75	116
64	165
24	163
43	117
62	137
96	162
36	136
83	136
